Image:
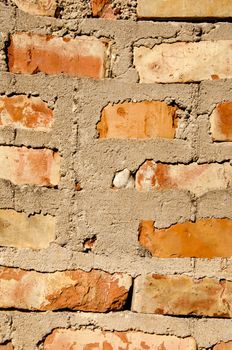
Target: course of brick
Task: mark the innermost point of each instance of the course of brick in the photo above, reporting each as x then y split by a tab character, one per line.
115	175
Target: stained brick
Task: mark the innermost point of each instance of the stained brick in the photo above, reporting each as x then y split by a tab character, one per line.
38	7
22	231
25	112
182	295
184	62
23	165
33	53
95	291
138	120
205	238
221	122
184	8
97	339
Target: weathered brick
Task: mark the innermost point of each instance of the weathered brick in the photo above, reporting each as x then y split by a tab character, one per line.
205	238
38	7
184	8
96	339
138	120
33	53
196	178
25	112
223	346
23	165
184	62
22	231
221	122
7	346
103	9
96	291
182	295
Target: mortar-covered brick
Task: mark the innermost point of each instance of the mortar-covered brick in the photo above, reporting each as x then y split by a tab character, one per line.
184	9
221	122
21	111
38	7
23	165
22	231
32	53
103	9
97	339
223	346
184	62
193	177
138	120
96	291
182	295
205	238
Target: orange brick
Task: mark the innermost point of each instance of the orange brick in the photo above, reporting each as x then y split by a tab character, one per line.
7	346
223	346
182	295
25	112
32	53
23	165
95	291
96	339
205	238
221	122
138	120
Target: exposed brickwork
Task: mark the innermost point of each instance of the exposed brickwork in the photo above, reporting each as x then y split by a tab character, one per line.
38	7
141	120
7	346
206	238
221	122
32	53
87	339
22	165
185	295
223	346
25	112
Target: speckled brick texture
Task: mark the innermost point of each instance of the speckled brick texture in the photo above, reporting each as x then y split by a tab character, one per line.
115	175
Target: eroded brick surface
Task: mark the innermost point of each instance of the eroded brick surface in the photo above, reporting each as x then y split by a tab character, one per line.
223	346
33	53
138	120
7	346
182	295
103	9
205	238
196	178
25	112
38	7
184	62
23	165
20	231
184	8
221	122
95	291
87	339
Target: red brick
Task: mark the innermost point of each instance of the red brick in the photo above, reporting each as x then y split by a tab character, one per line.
138	120
205	238
95	291
32	53
38	7
103	9
23	165
85	339
25	112
182	295
221	122
196	178
223	346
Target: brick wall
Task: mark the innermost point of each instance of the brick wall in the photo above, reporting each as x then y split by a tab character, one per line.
115	175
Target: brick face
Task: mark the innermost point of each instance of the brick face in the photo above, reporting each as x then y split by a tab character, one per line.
96	339
23	165
205	238
185	295
95	291
184	62
223	346
138	120
25	112
32	53
20	231
7	346
184	9
39	7
221	122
